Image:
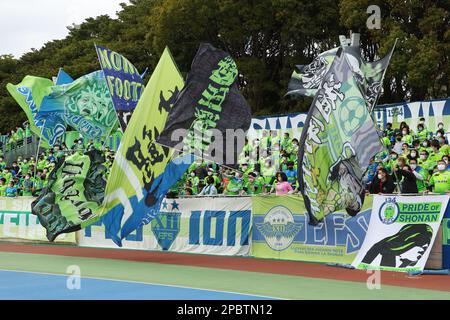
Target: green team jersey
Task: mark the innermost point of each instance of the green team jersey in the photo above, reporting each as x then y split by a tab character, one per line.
7	176
3	191
408	139
427	164
440	181
216	180
421	184
27	187
268	173
194	183
286	144
234	187
25	168
255	187
444	150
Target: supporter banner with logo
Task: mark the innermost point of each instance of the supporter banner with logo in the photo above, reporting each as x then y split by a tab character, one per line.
401	232
17	222
281	231
434	111
219	226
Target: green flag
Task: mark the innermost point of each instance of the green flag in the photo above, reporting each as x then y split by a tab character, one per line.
74	193
29	94
139	162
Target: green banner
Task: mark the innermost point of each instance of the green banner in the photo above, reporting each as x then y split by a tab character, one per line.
281	231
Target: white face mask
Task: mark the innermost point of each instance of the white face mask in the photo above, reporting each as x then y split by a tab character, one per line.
210	173
425	144
423	157
413	166
441	126
192	174
413	154
441	167
380	176
393	157
244	168
439	134
405	133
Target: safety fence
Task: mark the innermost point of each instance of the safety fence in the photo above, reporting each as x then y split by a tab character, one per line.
267	227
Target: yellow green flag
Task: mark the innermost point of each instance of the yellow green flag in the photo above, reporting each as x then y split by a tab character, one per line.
143	171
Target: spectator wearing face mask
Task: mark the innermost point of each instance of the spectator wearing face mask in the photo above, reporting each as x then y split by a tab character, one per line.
406	136
268	172
422	133
421	175
389	132
426	146
412	155
397	148
235	185
382	183
424	162
209	189
392	162
444	148
194	181
211	174
440	180
406	179
440	128
291	173
253	186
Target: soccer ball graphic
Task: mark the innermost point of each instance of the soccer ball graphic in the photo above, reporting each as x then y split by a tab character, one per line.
353	114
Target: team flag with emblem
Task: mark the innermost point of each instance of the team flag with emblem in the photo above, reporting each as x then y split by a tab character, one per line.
143	171
338	140
369	75
84	104
124	83
208	108
75	191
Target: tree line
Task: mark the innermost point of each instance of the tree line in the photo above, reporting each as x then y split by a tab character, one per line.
267	38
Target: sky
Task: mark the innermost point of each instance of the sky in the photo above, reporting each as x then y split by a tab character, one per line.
26	24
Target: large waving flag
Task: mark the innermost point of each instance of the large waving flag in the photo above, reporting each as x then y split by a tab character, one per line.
85	104
369	75
29	95
143	171
339	139
306	81
124	83
74	193
208	108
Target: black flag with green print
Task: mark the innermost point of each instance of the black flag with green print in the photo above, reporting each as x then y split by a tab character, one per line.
75	191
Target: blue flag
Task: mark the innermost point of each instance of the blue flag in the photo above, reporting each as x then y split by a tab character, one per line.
124	83
63	77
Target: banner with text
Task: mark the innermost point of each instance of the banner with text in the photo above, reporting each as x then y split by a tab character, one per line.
281	231
219	226
401	232
17	222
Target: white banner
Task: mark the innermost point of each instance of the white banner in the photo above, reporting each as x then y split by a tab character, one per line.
219	226
401	232
17	221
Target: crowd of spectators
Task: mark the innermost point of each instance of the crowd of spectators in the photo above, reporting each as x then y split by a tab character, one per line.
417	161
28	176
